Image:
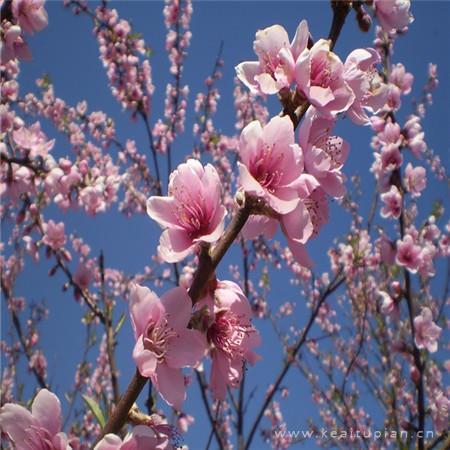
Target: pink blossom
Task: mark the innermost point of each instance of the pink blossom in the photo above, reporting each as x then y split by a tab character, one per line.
270	162
17	182
140	438
164	344
54	235
300	224
390	135
426	331
389	306
367	85
13	45
231	336
33	140
38	430
391	158
324	155
191	213
440	407
393	14
402	79
274	69
408	253
30	14
184	421
319	74
415	179
392	203
83	275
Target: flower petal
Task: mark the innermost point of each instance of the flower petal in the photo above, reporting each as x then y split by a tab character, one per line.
178	306
246	72
174	245
145	360
300	254
46	409
160	209
170	385
186	350
143	304
14	420
109	442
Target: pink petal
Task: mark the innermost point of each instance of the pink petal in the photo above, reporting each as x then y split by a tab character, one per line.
270	41
300	41
305	184
170	384
218	229
14	420
300	254
303	71
186	350
267	83
259	225
141	438
333	184
178	307
320	96
46	409
305	128
145	360
174	245
284	200
143	304
61	442
249	141
279	132
248	183
219	374
161	210
246	72
297	224
109	442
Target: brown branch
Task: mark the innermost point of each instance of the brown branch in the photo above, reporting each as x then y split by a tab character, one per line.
120	414
212	420
207	264
335	283
26	348
110	335
341	8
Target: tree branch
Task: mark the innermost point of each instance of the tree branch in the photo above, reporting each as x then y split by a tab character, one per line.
335	283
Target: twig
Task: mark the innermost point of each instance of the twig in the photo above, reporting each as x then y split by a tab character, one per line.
335	283
212	421
341	8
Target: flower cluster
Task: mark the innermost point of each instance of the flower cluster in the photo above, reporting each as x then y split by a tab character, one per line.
25	16
318	74
121	51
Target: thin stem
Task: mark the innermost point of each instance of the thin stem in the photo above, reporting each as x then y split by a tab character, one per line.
110	336
212	421
26	348
153	150
337	281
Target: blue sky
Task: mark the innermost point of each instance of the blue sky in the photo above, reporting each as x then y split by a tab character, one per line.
67	50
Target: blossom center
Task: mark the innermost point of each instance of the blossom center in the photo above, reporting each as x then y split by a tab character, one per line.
227	334
156	338
266	169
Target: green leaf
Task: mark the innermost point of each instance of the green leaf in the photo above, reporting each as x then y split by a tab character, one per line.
120	323
96	410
